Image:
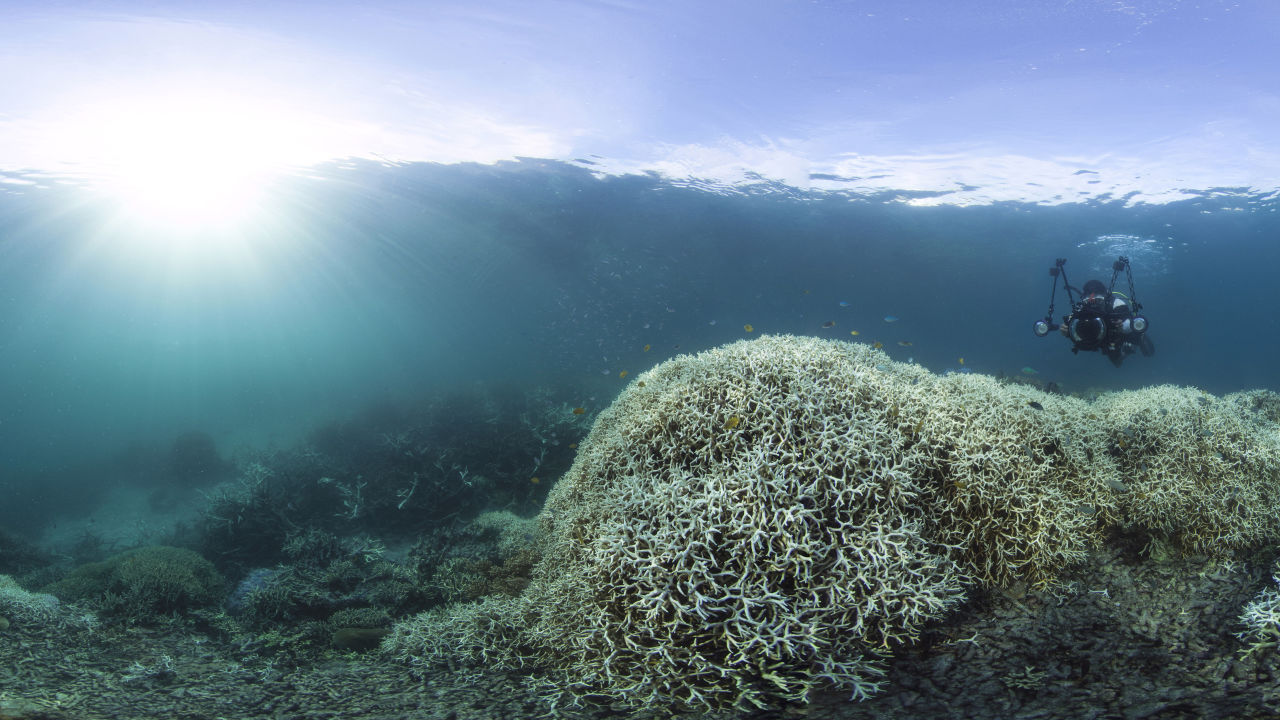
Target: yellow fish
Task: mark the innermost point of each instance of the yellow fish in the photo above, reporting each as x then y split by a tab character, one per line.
534	480
877	344
748	327
579	411
960	360
573	446
646	348
854	332
640	383
622	374
732	422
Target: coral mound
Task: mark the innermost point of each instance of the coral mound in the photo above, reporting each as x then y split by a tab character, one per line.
762	519
144	585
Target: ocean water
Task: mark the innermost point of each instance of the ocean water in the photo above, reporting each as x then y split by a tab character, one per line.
375	281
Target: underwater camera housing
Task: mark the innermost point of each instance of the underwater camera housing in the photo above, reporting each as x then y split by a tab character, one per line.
1082	310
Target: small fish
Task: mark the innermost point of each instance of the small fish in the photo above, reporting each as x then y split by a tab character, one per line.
1028	370
844	303
732	422
855	333
645	348
806	292
877	344
622	374
534	480
1035	405
713	322
748	328
1117	486
904	343
579	411
639	383
829	324
960	360
891	318
573	446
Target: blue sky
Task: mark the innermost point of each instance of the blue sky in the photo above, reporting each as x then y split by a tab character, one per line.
1156	96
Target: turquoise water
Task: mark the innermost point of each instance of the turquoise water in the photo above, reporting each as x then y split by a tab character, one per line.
370	282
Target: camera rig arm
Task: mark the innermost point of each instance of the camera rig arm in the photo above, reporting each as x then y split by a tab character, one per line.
1059	270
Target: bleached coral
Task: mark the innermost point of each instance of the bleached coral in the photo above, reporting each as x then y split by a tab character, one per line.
739	526
1016	488
514	533
1264	403
751	523
1261	619
25	606
1196	468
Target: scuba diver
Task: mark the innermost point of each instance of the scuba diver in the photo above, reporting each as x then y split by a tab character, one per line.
1103	319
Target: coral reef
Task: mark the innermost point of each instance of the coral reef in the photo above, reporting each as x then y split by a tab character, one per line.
325	576
1196	469
391	472
493	554
24	606
748	524
1261	618
146	585
737	527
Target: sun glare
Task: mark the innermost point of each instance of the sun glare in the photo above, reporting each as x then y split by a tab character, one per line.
193	163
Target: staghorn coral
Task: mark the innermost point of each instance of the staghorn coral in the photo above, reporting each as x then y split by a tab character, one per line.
144	585
748	524
1017	490
1196	469
706	561
25	606
1261	618
1263	402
